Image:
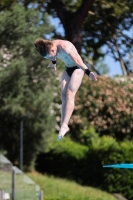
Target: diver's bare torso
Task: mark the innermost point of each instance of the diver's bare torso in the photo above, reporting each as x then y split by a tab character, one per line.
64	48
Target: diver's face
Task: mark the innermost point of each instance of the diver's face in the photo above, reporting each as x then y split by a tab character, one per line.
52	54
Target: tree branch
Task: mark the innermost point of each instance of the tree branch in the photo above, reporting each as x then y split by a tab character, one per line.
77	17
82	12
61	10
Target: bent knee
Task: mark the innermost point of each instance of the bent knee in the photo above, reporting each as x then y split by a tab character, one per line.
70	94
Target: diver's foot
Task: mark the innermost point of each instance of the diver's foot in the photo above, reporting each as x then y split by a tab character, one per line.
62	132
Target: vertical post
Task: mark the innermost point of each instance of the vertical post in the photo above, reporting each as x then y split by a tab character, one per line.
21	139
2	194
13	183
21	144
41	195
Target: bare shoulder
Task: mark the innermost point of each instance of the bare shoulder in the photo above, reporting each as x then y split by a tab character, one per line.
65	45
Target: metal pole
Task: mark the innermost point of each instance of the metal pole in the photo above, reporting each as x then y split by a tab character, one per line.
3	194
21	139
13	183
41	195
21	144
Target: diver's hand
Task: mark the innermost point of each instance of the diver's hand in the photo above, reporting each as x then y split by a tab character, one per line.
52	65
92	76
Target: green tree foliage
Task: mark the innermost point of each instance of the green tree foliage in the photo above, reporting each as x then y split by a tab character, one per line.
108	24
6	4
84	163
26	84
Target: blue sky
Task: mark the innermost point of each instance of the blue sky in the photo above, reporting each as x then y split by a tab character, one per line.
113	66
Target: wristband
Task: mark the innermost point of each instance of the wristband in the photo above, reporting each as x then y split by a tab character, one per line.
54	62
87	71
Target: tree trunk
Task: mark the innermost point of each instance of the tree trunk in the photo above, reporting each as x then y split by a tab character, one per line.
72	21
124	71
73	34
121	61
